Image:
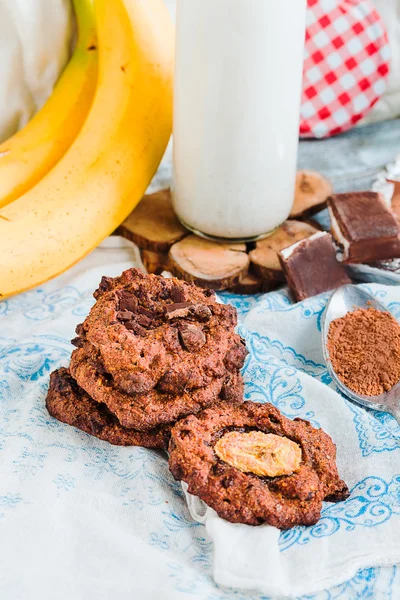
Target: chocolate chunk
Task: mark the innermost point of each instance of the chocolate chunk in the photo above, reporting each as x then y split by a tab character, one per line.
144	311
136	328
78	342
178	309
310	266
124	315
144	321
364	227
202	312
177	306
234	360
177	295
192	337
127	302
186	309
105	285
80	330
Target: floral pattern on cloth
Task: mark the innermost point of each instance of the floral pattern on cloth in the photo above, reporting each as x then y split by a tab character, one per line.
101	521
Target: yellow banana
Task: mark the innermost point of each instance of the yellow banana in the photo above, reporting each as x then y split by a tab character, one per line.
103	175
28	155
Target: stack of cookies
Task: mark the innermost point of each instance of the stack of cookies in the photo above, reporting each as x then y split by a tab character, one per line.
157	364
151	351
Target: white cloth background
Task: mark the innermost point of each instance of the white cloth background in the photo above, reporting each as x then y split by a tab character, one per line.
35	38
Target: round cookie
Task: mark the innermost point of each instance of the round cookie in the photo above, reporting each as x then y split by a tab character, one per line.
152	331
232	488
68	403
150	409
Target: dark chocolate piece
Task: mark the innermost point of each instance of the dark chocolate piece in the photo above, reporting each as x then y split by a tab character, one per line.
364	227
192	337
311	267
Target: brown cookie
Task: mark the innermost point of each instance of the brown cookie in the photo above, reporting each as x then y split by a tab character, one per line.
150	409
68	403
151	331
297	462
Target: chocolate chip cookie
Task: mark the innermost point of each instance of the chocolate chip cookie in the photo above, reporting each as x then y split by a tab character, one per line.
68	403
150	409
164	333
253	465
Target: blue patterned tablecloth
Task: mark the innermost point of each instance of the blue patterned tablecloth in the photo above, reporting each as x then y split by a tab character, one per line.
98	521
82	519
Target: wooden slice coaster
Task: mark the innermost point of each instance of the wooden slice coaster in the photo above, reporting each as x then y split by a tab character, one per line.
264	258
153	224
154	262
208	264
312	191
248	284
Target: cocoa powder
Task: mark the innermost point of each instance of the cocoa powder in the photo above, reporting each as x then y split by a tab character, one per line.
364	349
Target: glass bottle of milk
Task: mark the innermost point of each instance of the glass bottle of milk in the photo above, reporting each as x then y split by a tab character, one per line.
238	77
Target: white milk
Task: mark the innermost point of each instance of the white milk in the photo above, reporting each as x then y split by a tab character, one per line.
236	116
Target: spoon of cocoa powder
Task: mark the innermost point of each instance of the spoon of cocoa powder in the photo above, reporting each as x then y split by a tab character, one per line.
361	346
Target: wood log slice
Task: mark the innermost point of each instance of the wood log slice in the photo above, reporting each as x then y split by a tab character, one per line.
208	264
311	192
154	262
264	258
153	224
248	284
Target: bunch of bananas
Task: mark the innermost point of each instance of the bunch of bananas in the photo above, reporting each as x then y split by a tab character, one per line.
82	164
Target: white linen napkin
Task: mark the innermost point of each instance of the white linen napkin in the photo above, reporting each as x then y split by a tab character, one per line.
286	367
82	519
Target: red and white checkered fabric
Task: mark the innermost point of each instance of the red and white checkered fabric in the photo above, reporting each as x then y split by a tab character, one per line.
347	57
